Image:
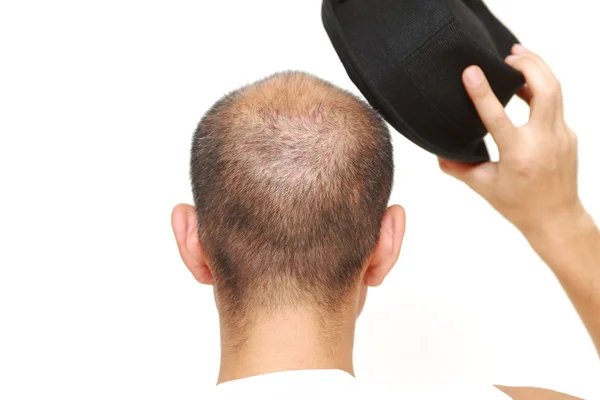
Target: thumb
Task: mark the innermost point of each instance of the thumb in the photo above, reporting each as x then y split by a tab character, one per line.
478	177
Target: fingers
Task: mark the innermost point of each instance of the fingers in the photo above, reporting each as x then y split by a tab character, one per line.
490	110
525	94
477	177
520	50
543	89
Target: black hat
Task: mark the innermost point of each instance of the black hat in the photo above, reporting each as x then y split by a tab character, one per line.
407	58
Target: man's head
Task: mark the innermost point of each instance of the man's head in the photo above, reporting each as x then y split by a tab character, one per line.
291	179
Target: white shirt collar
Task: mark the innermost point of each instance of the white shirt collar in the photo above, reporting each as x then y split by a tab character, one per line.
289	380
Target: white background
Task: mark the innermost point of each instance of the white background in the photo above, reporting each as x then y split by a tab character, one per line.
98	102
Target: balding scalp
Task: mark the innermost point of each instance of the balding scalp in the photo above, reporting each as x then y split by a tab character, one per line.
291	178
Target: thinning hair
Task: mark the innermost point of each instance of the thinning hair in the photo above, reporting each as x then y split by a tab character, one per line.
291	179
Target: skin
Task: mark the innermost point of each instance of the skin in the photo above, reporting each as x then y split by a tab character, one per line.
267	346
534	186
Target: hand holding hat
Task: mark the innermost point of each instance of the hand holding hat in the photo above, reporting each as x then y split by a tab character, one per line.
534	185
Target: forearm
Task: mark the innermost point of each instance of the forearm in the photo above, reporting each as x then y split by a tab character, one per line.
571	248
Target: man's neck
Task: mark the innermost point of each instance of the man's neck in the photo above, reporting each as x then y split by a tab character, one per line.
287	341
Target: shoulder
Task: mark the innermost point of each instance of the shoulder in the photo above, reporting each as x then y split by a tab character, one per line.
531	393
452	392
487	392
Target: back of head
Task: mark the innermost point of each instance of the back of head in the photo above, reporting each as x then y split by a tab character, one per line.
291	178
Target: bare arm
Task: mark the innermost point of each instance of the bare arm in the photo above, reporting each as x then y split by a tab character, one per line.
534	186
572	251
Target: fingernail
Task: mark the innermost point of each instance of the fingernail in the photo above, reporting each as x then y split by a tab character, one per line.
519	49
474	76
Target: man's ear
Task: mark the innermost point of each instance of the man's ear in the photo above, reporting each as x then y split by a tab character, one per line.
386	252
185	227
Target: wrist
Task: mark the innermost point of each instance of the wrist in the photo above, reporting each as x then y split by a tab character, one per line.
571	225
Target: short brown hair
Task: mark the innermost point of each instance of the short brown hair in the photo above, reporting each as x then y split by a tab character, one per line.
291	178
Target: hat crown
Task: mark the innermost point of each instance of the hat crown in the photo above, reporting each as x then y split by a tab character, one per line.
407	58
